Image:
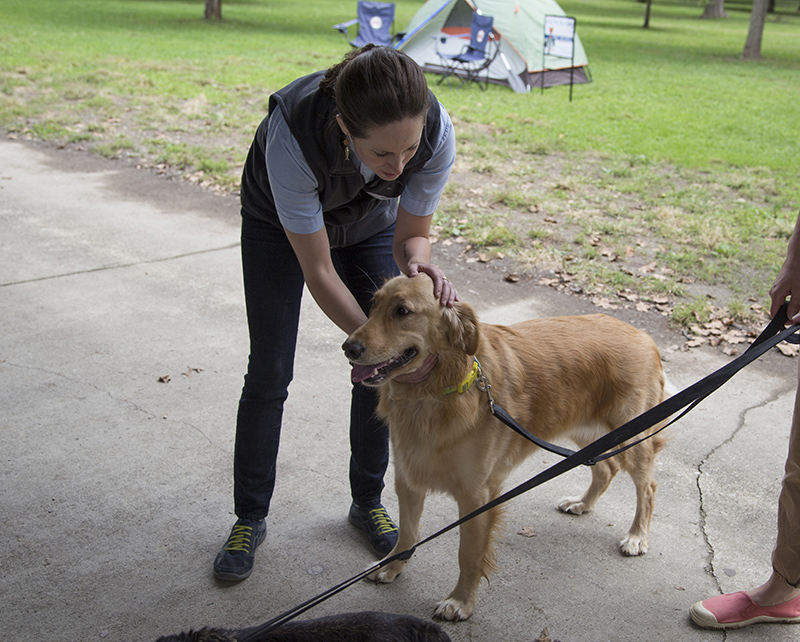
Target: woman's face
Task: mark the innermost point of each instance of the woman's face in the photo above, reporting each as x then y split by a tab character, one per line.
387	149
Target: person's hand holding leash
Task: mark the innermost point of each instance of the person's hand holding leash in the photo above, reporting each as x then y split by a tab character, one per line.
787	283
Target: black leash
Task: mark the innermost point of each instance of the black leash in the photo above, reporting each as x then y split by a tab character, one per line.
772	329
691	396
772	335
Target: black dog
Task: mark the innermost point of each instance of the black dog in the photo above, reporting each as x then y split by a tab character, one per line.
369	626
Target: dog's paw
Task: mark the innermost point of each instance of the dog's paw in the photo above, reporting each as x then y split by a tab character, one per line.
572	505
386	574
452	610
633	545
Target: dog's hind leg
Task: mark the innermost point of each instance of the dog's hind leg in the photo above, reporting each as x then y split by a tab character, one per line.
602	474
640	464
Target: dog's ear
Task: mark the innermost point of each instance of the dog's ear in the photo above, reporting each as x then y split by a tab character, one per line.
462	330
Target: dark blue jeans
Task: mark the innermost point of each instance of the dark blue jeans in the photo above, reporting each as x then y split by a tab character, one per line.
273	286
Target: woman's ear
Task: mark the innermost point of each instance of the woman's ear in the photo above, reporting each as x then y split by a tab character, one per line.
463	330
342	126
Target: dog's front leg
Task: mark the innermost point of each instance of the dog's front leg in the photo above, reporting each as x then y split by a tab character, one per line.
411	502
475	559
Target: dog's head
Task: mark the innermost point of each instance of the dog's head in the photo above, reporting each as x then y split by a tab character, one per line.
407	324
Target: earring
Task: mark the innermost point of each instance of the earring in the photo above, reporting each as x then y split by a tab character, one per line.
346	144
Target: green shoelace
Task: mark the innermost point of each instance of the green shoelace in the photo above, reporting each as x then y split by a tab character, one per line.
240	538
382	521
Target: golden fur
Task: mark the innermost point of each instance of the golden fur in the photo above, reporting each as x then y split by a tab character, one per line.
578	376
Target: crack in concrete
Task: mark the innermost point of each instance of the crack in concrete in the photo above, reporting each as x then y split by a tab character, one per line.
132	404
117	266
710	569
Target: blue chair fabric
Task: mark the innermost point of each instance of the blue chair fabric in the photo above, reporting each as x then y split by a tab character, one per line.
375	21
475	57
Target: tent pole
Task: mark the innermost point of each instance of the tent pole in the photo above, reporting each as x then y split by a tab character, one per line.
572	61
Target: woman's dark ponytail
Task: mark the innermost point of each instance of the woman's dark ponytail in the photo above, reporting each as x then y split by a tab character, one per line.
376	86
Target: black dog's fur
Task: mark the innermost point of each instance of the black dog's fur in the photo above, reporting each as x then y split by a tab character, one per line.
369	626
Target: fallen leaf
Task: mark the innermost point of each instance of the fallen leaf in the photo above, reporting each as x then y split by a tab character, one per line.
734	336
512	278
527	531
788	349
696	329
164	379
610	255
603	302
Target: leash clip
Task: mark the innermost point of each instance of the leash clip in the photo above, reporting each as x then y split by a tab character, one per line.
484	385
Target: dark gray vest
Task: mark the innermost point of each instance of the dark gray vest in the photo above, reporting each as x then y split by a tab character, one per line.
350	212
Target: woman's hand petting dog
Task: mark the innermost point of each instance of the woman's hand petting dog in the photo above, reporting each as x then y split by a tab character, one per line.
443	289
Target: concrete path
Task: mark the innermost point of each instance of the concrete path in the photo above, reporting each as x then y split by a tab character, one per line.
122	348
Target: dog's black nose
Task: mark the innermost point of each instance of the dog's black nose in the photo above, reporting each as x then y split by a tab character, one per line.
353	349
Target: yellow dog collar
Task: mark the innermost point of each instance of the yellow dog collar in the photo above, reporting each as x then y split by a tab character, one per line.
470	379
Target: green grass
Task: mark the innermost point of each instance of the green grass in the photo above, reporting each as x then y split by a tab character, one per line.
677	92
678	147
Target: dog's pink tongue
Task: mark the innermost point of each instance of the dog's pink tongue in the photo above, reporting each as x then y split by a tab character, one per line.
360	372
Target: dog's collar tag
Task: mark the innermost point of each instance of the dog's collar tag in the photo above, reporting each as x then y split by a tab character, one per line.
465	385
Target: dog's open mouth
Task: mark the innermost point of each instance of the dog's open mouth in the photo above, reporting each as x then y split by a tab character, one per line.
375	374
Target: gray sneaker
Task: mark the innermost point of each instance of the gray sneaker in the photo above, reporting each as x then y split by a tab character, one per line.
235	561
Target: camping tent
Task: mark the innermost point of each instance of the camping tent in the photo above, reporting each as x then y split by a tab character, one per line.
520	25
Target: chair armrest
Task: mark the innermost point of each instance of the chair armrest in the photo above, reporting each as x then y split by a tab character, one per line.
343	26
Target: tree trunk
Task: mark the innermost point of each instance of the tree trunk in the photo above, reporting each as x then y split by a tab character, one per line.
752	47
213	9
647	14
714	9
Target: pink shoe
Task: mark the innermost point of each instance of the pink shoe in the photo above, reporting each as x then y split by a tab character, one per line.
736	610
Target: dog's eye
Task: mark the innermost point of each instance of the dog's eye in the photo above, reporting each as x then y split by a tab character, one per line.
401	311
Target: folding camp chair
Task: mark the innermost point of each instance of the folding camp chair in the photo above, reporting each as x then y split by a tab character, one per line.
474	58
374	22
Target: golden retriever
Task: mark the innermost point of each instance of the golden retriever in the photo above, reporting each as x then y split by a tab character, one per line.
576	376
